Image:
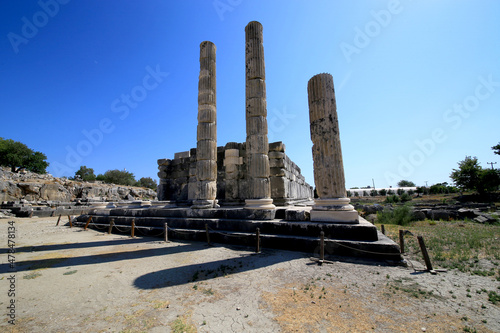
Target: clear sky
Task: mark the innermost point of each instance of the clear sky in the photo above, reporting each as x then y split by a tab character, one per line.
113	84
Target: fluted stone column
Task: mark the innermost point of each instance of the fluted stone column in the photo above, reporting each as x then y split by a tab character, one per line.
206	147
256	118
332	204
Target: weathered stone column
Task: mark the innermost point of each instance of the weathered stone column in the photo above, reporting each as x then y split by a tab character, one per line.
256	118
332	204
206	147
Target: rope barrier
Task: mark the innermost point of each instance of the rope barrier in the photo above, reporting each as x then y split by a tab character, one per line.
180	232
122	230
149	229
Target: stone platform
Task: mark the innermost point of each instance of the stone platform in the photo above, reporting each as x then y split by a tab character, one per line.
286	229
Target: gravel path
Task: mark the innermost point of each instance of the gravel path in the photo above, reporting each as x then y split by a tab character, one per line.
70	280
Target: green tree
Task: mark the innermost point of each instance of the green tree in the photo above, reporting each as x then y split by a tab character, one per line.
496	149
119	177
406	183
85	173
466	177
489	180
471	176
17	155
147	182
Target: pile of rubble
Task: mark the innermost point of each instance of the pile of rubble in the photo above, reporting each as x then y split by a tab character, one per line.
478	212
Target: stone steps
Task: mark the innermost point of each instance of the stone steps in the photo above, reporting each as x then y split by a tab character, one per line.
362	240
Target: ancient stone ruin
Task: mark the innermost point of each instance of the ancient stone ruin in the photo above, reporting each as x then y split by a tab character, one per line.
255	173
332	204
252	193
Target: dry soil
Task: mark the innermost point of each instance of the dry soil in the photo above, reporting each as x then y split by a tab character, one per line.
70	280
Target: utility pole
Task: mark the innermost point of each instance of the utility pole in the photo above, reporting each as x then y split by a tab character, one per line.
492	164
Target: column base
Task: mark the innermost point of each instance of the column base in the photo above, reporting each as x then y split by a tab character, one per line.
204	204
259	204
334	210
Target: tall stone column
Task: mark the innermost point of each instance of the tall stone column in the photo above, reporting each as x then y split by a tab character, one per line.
256	117
206	147
332	204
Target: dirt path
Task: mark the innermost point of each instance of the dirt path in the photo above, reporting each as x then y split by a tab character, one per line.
70	280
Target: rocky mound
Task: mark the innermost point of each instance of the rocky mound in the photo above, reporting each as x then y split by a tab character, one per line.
34	187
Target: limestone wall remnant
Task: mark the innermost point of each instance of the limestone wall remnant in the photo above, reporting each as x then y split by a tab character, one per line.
288	185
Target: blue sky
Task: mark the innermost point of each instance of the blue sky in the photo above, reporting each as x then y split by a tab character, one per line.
113	84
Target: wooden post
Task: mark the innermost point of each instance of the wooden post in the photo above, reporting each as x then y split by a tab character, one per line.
70	224
257	233
208	235
382	227
132	230
87	224
166	233
321	247
111	223
424	253
59	219
402	240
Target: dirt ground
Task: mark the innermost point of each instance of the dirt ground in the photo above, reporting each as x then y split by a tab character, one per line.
70	280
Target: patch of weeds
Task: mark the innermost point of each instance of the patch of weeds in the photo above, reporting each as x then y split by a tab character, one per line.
469	329
32	276
493	297
157	304
182	324
70	272
208	292
482	273
401	215
195	287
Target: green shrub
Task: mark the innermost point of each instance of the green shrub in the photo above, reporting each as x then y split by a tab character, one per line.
405	197
392	199
401	215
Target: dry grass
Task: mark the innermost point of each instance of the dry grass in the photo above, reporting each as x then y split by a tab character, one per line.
466	246
316	307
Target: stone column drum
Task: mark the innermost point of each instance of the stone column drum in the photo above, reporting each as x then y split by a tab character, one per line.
206	147
257	146
332	204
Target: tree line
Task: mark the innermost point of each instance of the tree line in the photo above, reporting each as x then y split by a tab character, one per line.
118	177
469	176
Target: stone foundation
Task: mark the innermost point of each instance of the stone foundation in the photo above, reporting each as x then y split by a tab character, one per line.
178	176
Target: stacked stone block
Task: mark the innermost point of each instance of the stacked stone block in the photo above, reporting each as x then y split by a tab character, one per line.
287	183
